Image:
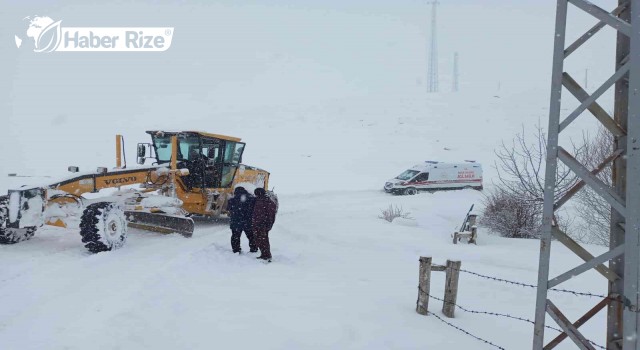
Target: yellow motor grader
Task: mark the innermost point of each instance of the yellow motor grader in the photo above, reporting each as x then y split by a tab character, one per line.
192	174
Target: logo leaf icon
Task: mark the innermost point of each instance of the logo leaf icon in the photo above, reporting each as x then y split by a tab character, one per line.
49	38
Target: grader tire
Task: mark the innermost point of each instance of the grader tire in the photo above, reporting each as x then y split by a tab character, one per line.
12	235
103	227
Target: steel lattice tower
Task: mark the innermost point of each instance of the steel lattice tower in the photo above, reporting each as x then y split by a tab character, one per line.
623	255
456	74
432	81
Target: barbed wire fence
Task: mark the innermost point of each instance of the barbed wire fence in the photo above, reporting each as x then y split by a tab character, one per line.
507	316
465	332
496	314
617	299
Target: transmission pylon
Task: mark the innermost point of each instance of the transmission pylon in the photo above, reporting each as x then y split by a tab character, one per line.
586	78
456	74
432	80
623	255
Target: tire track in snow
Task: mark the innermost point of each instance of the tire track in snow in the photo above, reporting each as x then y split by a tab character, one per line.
38	298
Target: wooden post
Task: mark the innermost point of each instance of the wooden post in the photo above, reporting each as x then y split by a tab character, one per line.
474	236
474	230
424	283
473	219
451	288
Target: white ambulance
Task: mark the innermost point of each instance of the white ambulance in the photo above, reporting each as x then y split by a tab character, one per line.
432	175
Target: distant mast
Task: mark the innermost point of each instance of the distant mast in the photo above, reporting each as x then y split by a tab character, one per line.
432	81
586	78
456	73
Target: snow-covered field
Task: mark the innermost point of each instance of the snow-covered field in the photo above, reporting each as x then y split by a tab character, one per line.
332	109
341	279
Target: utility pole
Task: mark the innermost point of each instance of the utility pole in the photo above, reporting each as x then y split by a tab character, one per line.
622	271
586	78
432	81
456	77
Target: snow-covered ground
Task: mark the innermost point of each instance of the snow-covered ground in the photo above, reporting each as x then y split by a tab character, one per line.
341	279
332	109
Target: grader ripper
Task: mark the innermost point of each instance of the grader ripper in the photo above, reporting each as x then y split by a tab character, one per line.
194	173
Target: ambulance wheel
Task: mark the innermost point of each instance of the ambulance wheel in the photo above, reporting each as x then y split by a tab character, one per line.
410	191
103	227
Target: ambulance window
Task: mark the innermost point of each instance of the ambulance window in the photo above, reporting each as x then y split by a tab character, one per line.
407	175
422	177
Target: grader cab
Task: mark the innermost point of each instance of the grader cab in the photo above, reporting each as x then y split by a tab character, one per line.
190	173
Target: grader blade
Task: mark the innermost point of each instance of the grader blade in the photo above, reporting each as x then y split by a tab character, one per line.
162	223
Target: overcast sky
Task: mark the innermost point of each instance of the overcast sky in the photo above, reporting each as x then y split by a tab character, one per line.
243	56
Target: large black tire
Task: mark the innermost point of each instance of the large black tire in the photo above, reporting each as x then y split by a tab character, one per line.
12	235
103	227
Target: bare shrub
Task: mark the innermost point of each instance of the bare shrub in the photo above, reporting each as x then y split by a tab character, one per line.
514	209
510	215
392	212
593	210
521	168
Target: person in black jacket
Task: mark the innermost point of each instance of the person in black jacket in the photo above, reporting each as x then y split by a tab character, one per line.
264	215
240	209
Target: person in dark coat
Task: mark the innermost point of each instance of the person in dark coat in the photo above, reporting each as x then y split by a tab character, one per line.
240	208
264	215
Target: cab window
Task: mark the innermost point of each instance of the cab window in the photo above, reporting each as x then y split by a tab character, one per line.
211	150
163	148
188	148
233	152
232	157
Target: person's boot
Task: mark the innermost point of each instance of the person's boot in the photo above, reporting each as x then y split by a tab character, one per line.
237	251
